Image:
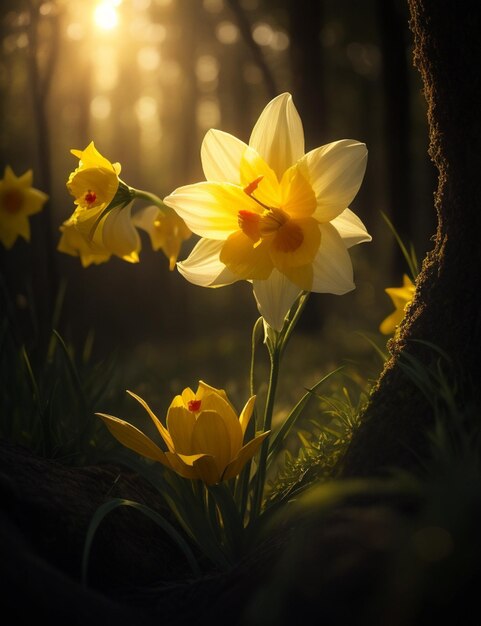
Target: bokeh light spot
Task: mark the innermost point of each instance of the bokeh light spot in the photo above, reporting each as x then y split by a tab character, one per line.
146	108
207	68
100	107
227	32
262	34
148	58
75	31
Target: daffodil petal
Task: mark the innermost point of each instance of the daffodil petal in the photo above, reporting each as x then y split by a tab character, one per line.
210	209
203	267
11	229
164	433
254	168
145	217
104	181
408	283
207	470
278	135
245	259
388	325
91	157
246	413
245	454
400	296
351	229
221	155
274	298
300	275
118	233
180	424
134	439
298	197
211	436
332	266
335	172
72	242
34	201
11	179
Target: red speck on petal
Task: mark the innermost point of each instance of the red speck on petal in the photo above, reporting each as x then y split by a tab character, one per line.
194	405
90	197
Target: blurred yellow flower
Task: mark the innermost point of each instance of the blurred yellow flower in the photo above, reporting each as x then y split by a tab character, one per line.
204	435
273	215
18	200
401	297
166	230
96	186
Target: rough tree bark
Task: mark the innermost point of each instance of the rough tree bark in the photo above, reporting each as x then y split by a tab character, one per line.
447	304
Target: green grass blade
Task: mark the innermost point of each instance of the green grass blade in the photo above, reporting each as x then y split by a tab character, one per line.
113	504
294	415
410	260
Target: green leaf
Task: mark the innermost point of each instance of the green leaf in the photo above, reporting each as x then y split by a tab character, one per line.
231	518
113	504
293	416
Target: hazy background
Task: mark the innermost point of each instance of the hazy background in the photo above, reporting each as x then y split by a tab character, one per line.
145	79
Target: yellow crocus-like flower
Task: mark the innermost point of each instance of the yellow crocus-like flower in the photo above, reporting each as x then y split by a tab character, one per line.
167	231
401	297
204	435
18	200
273	215
95	185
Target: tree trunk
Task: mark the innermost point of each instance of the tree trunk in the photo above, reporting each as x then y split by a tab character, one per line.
446	307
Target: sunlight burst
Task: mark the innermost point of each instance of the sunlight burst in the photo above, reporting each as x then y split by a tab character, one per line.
105	14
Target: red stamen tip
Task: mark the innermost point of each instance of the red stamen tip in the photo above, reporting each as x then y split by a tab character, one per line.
251	187
194	405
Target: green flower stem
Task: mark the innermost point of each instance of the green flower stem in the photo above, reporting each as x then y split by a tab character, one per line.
242	486
150	197
275	354
276	349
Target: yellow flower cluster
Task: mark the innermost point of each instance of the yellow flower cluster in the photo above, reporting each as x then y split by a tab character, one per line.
103	225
